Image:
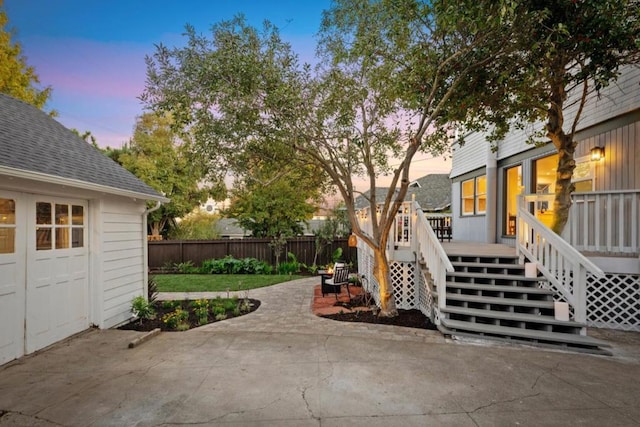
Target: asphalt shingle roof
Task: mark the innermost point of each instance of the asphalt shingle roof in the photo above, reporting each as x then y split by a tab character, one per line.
433	193
31	140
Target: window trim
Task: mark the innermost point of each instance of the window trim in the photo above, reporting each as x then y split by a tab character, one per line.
475	196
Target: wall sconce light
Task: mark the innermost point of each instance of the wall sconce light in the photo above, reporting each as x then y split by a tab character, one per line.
597	153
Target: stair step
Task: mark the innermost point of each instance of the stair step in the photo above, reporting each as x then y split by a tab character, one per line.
509	315
499	288
529	334
511	340
496	276
501	301
487	265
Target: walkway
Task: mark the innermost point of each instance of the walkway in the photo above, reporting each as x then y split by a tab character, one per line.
281	366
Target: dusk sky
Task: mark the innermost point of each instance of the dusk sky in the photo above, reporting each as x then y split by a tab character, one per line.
92	52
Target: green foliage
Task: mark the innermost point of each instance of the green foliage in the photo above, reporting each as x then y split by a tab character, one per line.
290	266
231	265
142	309
170	305
337	255
177	319
152	290
186	267
18	79
201	310
197	225
159	158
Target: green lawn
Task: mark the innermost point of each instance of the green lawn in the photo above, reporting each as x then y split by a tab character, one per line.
217	282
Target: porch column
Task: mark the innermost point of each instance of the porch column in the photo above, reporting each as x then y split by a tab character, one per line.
492	196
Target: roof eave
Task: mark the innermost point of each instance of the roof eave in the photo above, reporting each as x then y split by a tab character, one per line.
53	179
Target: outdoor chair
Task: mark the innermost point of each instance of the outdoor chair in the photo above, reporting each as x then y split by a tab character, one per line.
334	284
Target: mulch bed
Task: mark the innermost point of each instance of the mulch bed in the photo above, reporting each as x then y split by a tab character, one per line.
352	313
150	324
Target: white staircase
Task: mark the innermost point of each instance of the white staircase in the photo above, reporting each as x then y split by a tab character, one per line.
489	297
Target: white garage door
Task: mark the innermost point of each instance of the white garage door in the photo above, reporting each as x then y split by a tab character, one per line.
12	279
57	292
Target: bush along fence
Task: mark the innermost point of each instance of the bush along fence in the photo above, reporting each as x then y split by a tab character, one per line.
166	252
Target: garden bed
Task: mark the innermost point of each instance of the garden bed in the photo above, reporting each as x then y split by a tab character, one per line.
183	313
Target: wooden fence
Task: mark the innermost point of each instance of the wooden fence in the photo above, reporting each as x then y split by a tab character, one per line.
162	253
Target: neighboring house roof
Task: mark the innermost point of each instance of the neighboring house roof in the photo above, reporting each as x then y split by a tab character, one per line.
432	192
229	227
35	146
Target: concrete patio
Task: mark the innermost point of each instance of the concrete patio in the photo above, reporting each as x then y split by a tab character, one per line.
283	366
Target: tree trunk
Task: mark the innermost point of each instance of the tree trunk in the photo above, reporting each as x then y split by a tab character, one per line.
155	228
566	148
564	186
381	273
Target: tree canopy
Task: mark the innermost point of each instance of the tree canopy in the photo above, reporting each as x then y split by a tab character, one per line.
389	84
17	78
160	159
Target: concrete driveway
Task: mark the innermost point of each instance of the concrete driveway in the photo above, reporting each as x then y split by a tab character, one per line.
282	366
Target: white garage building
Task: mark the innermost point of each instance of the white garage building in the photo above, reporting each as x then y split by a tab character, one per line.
72	233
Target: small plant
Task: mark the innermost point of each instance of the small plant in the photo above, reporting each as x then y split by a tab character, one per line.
290	266
186	267
219	312
170	305
337	255
201	311
177	319
141	309
152	290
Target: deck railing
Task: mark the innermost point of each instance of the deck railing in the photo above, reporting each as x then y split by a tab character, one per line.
429	250
605	222
562	265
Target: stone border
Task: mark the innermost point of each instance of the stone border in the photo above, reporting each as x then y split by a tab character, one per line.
136	342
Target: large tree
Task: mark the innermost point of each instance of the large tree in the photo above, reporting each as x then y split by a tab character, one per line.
365	108
17	78
565	52
164	162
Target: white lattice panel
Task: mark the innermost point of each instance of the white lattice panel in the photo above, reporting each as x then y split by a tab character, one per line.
614	302
426	302
404	284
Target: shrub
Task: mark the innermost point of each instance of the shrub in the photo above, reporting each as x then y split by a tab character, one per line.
290	266
177	319
186	267
201	310
231	265
141	308
152	290
196	226
170	305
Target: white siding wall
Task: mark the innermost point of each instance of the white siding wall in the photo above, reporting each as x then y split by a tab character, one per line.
472	155
471	228
123	266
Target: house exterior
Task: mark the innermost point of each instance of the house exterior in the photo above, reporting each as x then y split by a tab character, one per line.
73	244
604	223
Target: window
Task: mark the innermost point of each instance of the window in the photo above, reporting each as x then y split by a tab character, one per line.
474	196
59	225
7	226
513	188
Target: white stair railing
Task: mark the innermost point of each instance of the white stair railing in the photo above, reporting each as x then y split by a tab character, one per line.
562	265
429	250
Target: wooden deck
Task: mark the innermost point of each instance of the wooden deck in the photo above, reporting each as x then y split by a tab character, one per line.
475	248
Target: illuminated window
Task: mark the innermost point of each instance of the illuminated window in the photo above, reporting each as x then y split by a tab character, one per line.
513	184
7	226
474	196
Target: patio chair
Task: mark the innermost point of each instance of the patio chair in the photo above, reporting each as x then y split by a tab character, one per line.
334	284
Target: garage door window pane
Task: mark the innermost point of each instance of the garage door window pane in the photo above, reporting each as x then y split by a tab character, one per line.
7	211
62	214
77	214
77	237
62	238
7	240
43	238
43	213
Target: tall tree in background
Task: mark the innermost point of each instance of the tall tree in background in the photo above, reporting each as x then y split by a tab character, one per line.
16	77
157	157
566	51
359	113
